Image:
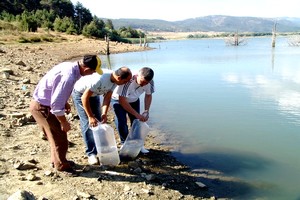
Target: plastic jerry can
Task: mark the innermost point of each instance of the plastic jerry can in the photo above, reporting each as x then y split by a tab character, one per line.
106	146
135	139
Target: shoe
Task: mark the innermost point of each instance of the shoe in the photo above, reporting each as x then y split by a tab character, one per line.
71	163
93	160
69	172
143	150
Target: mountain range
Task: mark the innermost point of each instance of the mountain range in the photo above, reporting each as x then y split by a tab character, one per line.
217	23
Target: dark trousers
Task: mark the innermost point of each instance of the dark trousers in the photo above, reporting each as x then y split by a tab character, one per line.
52	129
121	117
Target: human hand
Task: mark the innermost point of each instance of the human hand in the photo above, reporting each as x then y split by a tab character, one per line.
142	118
103	118
67	108
146	114
93	122
65	126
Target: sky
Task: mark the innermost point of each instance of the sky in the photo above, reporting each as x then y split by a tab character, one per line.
175	10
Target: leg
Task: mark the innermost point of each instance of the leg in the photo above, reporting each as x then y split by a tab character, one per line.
120	120
57	138
86	132
136	106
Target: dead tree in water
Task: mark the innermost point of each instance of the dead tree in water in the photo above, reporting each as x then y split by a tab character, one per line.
274	34
140	41
236	40
145	40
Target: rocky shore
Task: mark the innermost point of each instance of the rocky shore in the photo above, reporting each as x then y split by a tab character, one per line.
24	161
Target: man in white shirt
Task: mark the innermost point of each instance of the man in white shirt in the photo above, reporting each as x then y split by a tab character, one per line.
125	101
86	97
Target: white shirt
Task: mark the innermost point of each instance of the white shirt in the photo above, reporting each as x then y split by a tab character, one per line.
98	84
132	91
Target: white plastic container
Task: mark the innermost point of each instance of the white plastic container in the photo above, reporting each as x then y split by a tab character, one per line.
135	139
106	145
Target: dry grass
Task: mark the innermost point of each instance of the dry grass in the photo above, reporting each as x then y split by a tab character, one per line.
15	36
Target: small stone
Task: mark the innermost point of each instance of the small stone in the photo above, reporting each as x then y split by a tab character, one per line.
22	194
5	75
150	177
126	188
24	166
31	177
48	173
201	185
83	194
21	63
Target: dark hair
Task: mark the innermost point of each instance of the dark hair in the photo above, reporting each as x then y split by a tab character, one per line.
147	73
90	61
123	72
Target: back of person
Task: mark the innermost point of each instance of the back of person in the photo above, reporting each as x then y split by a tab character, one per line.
98	84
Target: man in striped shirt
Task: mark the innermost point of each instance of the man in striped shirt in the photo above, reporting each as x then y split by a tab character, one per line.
126	101
50	103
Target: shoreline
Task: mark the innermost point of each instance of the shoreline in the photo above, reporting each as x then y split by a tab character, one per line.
157	175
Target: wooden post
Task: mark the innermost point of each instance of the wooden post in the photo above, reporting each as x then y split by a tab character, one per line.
274	34
106	38
107	47
236	39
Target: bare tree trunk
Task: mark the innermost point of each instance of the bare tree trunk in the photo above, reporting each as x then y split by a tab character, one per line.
145	41
140	41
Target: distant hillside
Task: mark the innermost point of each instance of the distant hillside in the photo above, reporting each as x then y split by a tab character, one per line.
218	23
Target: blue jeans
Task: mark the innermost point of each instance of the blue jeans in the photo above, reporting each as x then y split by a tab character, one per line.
87	133
121	117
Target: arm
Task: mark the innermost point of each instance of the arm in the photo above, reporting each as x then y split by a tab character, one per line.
105	106
87	108
124	103
148	100
65	125
147	104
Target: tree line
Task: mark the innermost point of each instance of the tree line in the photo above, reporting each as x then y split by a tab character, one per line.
62	16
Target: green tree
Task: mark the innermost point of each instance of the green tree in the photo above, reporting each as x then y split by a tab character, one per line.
62	8
109	24
64	25
95	29
17	7
45	18
7	16
28	22
82	16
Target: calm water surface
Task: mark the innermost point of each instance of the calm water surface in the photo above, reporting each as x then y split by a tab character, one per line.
232	109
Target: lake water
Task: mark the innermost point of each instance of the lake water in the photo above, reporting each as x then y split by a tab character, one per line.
235	110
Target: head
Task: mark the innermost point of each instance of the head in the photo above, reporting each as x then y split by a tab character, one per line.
91	64
121	75
145	75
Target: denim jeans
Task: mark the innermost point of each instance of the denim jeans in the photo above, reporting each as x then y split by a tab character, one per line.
121	117
87	133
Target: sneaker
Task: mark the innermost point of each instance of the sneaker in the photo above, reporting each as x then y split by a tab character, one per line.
143	150
93	160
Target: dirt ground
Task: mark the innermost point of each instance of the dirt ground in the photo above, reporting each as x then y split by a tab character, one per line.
24	159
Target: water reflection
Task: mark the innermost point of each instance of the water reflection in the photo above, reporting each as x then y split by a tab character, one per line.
217	169
283	91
